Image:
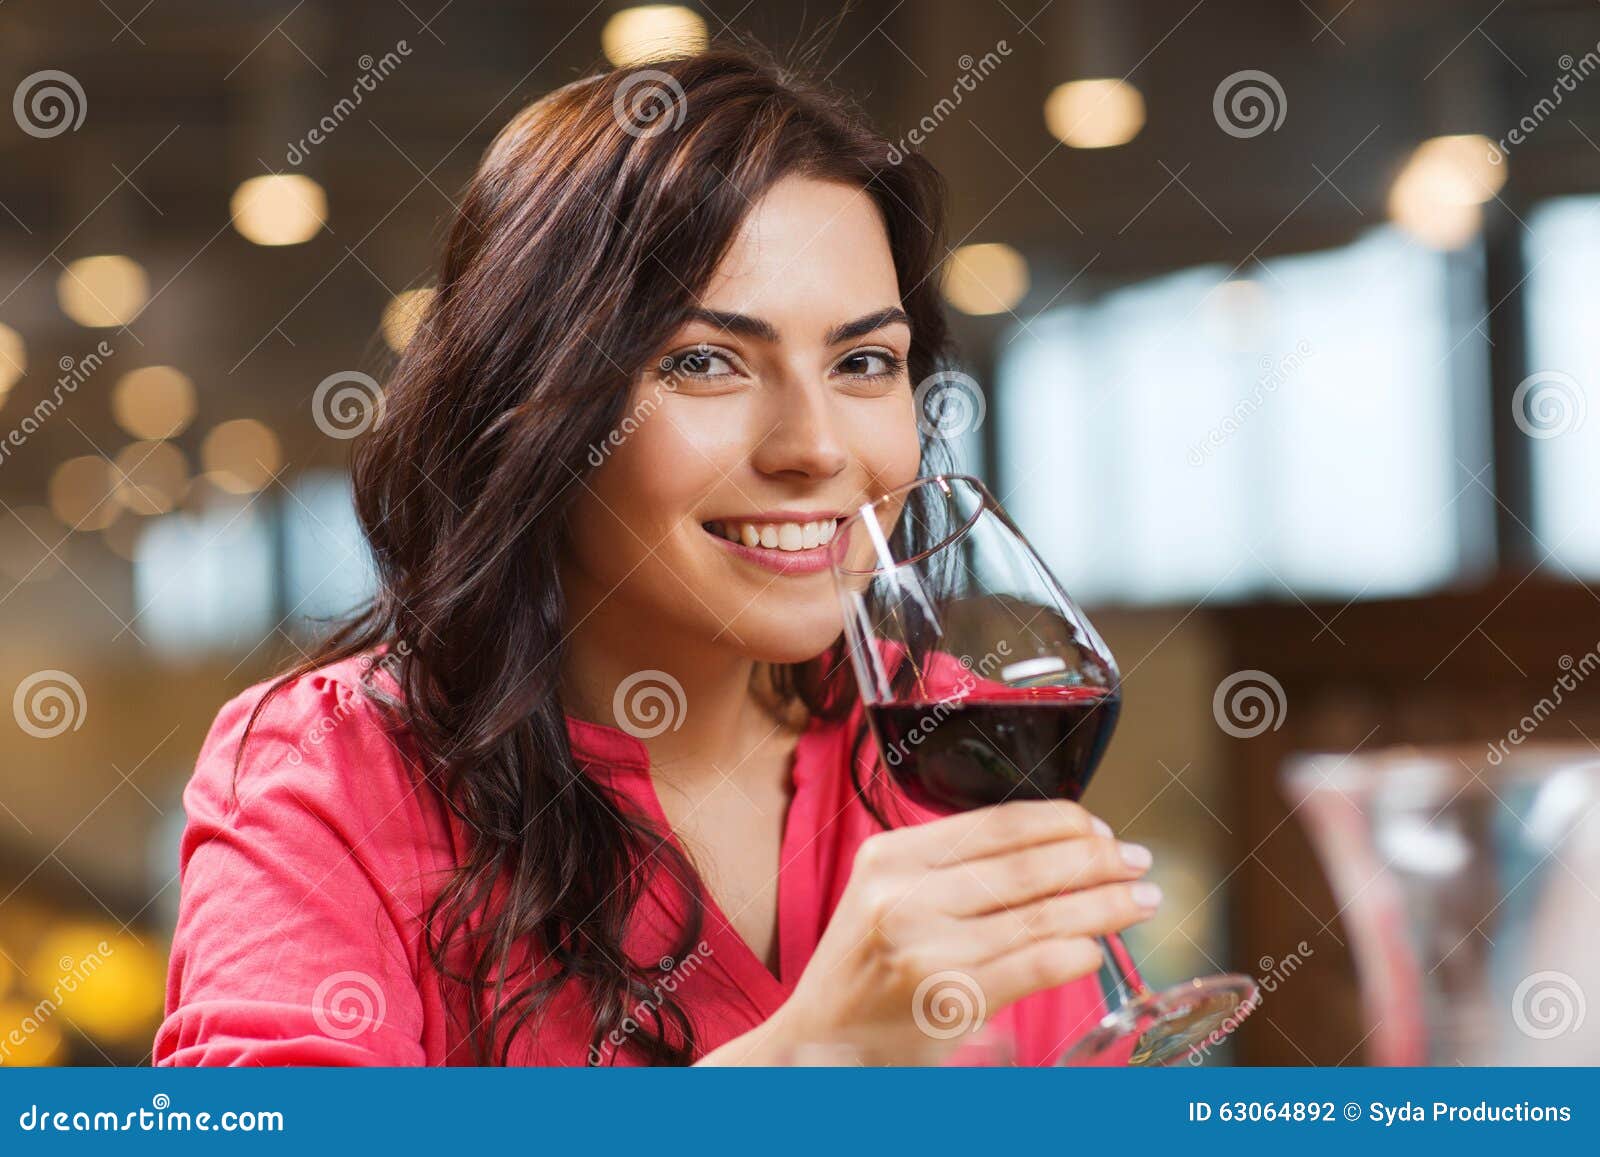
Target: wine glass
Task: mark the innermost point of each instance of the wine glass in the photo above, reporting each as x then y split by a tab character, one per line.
984	682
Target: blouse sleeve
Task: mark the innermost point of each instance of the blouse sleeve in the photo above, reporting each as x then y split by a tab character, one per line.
297	941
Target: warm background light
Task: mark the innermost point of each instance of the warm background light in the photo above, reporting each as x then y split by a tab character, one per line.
241	456
985	279
1094	114
403	314
151	477
153	402
652	32
1437	196
13	359
81	493
103	291
118	982
279	209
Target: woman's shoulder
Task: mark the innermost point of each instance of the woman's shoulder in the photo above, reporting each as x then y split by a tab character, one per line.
316	742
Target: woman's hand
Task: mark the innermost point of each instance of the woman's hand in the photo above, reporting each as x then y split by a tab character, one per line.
1009	898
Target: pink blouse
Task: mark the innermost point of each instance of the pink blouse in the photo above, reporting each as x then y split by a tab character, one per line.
299	938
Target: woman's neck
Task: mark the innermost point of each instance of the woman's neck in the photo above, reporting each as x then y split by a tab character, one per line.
700	696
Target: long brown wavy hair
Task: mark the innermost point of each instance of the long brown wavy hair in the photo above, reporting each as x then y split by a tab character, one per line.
579	246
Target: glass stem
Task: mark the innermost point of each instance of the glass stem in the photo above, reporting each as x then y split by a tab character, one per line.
1119	980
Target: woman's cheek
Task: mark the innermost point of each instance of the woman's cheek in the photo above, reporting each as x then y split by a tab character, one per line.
888	444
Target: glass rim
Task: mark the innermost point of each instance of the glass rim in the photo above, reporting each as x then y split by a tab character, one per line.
840	535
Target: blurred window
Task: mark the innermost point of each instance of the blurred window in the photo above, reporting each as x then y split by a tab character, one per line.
1292	431
1562	251
203	580
209	580
327	566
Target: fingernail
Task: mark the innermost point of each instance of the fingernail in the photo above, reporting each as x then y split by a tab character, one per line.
1135	855
1100	826
1146	894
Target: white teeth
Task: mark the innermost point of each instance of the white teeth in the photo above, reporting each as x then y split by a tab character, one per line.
788	536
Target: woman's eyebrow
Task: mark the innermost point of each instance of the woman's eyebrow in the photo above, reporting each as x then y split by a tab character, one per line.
869	323
762	330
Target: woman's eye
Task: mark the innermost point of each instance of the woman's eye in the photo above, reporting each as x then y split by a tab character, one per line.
870	364
699	363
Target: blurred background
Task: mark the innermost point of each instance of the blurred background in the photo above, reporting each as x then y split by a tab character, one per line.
1279	318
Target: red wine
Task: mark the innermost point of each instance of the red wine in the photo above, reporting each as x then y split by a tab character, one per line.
1004	743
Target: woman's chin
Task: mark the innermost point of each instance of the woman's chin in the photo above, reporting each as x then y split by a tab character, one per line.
782	644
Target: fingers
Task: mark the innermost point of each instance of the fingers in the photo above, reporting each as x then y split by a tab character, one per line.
1098	911
1002	828
1033	873
1036	966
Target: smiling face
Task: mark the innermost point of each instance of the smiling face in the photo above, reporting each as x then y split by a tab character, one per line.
784	404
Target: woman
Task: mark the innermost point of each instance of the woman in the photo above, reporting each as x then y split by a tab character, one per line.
585	784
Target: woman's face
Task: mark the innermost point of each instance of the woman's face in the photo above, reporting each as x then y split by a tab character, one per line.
786	405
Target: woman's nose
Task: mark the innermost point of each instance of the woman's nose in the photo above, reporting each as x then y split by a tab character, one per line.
802	436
